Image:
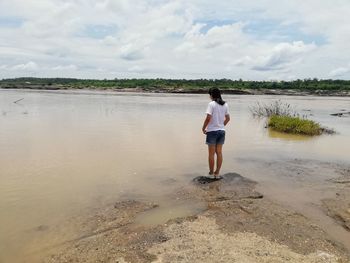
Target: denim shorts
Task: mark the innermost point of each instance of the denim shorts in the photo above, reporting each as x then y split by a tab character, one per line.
215	137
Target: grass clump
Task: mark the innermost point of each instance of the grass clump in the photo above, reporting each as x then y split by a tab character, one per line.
283	118
277	108
294	125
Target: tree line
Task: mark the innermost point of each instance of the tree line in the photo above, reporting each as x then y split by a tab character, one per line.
185	84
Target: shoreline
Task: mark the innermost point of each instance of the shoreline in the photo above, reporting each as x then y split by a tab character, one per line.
238	222
283	92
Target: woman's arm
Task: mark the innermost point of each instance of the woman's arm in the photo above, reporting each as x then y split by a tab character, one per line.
227	119
205	123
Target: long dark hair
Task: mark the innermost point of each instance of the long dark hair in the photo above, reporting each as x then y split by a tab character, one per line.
216	95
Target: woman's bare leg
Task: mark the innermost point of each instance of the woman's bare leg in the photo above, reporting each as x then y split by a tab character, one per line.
218	151
211	157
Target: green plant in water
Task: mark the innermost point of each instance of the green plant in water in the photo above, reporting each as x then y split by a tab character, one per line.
294	125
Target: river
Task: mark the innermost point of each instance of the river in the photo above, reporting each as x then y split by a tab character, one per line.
65	152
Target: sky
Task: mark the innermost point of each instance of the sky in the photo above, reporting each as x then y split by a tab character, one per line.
191	39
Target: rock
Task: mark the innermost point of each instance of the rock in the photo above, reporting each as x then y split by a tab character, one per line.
125	204
231	178
255	195
205	179
341	114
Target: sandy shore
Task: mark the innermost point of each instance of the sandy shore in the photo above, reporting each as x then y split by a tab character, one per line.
239	224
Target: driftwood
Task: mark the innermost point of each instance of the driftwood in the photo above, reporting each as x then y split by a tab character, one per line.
18	100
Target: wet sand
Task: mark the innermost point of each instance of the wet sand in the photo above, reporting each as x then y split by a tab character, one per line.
338	207
237	224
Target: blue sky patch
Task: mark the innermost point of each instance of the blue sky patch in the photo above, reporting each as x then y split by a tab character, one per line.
268	30
11	22
275	31
212	23
99	31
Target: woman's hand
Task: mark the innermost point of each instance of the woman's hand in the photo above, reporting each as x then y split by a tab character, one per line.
205	123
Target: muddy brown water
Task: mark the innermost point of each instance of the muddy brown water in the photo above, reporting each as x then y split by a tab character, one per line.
63	153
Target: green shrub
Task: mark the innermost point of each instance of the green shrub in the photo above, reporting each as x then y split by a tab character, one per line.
294	125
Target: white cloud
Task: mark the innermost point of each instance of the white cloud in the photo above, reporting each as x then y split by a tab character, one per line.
66	67
338	72
282	56
228	36
30	66
136	68
131	52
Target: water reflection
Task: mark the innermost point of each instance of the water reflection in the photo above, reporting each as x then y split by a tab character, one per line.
288	137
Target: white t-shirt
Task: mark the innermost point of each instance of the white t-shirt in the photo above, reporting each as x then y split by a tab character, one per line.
218	113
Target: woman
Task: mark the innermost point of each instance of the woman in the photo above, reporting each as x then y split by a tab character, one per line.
214	127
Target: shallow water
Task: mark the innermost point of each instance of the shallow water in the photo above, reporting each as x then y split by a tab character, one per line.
63	153
163	213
